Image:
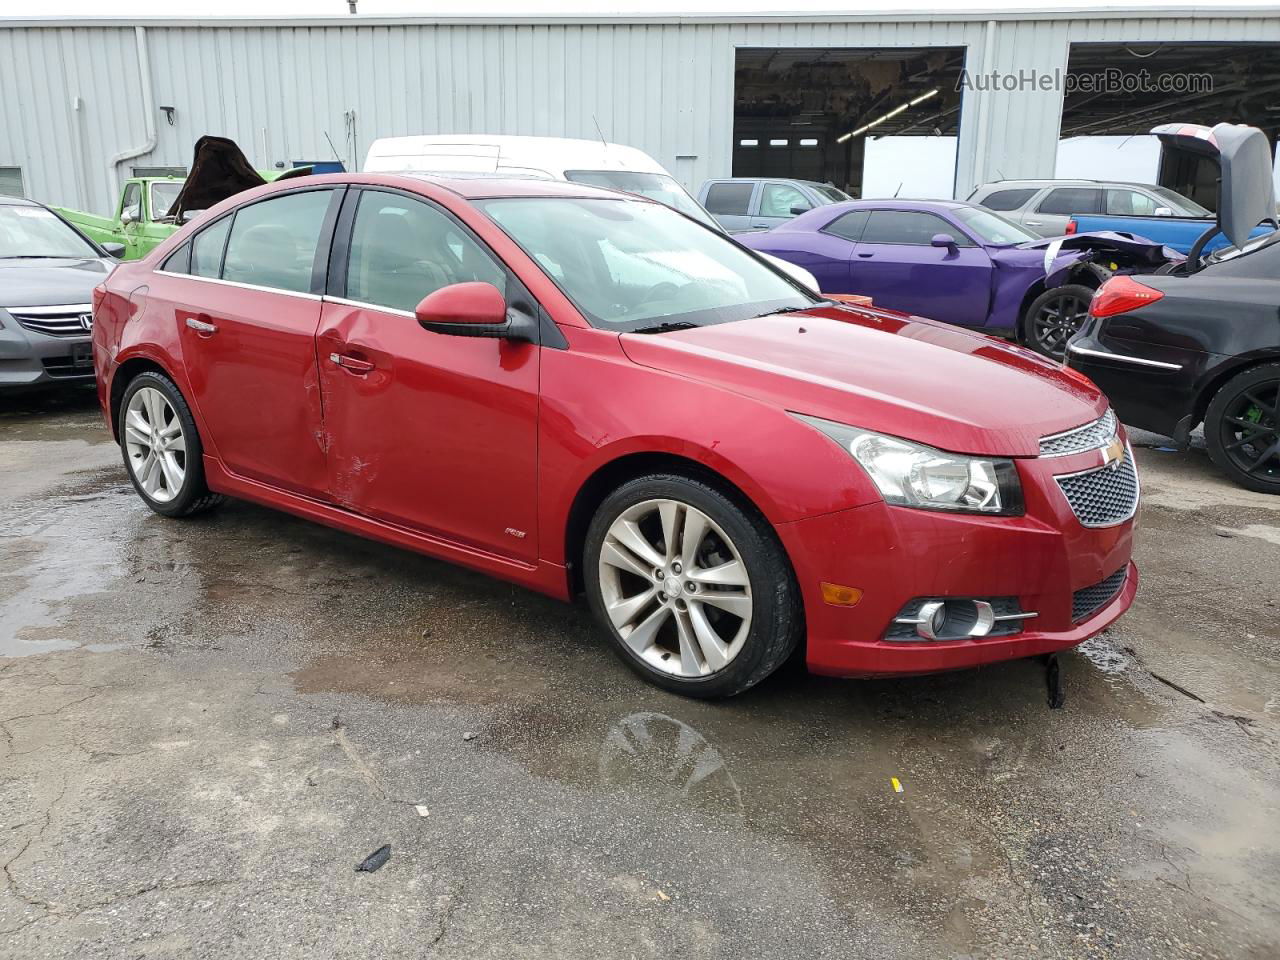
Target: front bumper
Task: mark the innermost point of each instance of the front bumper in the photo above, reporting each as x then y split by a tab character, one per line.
30	359
894	555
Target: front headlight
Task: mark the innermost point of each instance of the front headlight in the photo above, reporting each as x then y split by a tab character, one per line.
913	475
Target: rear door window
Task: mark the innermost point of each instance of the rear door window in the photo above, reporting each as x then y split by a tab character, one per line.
913	227
1008	199
1068	201
207	247
730	199
273	242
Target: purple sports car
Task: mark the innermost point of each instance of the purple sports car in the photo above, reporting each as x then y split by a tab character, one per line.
960	263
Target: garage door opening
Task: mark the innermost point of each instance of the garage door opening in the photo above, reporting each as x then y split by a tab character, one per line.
842	116
1115	93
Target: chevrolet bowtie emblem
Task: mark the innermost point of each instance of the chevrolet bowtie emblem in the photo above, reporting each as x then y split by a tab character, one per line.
1113	452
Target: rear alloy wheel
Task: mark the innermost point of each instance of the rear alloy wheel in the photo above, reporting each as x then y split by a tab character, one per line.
1242	428
695	592
161	447
1055	317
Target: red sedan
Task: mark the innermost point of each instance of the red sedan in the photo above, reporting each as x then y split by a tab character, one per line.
584	391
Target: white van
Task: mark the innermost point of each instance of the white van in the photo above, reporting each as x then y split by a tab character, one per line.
593	162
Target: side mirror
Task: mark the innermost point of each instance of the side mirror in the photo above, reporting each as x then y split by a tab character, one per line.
797	210
113	249
128	217
1164	211
473	310
943	240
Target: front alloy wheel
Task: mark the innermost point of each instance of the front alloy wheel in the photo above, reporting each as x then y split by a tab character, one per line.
693	587
675	588
1055	317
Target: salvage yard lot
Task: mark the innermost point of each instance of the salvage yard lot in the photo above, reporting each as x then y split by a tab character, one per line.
206	725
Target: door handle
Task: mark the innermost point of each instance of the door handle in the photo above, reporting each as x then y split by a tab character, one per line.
865	255
354	364
201	326
1034	223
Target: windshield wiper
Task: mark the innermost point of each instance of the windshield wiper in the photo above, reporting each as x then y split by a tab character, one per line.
770	313
666	327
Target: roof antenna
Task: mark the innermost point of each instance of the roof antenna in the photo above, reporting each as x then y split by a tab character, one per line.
603	141
898	191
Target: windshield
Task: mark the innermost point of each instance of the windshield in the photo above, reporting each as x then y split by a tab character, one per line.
163	195
1182	205
991	228
655	186
628	264
833	194
32	232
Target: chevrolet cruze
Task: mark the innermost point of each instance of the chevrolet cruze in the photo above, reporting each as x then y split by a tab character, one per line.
583	391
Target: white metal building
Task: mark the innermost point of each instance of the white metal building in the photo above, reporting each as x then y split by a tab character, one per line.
85	103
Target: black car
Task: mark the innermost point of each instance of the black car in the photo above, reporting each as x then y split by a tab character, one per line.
1176	350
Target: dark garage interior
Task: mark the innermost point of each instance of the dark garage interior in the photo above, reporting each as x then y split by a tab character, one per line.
807	113
1243	87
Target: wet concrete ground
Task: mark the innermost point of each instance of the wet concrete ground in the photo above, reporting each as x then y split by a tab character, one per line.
205	726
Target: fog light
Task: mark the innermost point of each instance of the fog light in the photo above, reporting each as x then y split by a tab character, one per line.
840	596
948	618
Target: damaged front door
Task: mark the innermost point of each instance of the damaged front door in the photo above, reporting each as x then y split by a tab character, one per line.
430	432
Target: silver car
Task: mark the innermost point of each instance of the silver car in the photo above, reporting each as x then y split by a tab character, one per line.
1046	206
48	270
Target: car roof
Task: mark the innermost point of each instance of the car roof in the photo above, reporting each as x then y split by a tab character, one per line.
892	203
18	202
1013	184
468	185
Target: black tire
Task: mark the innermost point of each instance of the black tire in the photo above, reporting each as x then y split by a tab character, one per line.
194	495
1048	335
777	616
1242	428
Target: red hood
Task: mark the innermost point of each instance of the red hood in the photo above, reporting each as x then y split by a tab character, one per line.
913	378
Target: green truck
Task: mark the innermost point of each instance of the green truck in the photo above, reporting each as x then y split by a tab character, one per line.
150	209
141	221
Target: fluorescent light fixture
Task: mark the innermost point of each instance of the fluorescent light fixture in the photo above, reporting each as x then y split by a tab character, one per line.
892	113
808	142
748	143
778	143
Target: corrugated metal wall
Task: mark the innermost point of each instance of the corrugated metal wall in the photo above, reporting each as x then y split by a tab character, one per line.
72	95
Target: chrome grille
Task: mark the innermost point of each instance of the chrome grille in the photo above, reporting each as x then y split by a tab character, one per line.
1092	436
69	320
1089	600
1104	496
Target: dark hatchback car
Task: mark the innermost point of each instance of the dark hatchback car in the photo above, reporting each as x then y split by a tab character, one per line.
1173	351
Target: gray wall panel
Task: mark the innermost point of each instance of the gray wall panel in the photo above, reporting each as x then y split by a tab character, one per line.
665	86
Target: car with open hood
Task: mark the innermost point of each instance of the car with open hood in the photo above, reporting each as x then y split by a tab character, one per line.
954	261
586	392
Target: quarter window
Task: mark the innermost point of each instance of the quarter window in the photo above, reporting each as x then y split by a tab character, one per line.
778	199
273	242
1068	201
910	227
730	199
849	226
1007	199
404	249
207	247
